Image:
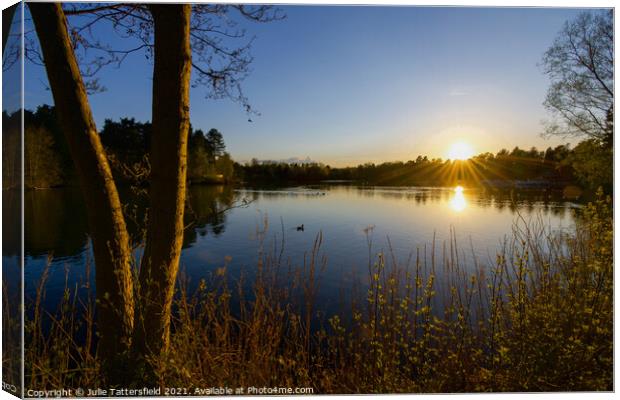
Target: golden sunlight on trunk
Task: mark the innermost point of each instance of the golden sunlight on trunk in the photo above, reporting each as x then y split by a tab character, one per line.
168	158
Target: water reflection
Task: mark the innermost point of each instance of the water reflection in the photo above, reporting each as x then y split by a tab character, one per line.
458	202
55	220
207	211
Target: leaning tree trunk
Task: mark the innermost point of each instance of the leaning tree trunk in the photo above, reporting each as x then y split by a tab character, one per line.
105	218
168	158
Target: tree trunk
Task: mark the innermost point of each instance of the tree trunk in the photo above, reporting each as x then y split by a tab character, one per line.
105	218
168	157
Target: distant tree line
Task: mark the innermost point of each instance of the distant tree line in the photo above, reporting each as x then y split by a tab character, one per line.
47	162
265	172
589	164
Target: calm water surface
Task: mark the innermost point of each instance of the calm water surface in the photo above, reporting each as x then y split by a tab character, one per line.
227	226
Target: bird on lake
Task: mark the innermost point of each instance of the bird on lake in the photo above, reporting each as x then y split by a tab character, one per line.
300	227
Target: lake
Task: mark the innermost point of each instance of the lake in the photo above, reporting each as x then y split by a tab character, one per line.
232	227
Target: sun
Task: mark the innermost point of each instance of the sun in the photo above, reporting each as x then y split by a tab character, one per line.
460	151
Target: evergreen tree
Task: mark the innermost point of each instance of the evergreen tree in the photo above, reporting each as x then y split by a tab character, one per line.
215	144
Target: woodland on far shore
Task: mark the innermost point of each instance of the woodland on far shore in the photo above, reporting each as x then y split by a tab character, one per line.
48	163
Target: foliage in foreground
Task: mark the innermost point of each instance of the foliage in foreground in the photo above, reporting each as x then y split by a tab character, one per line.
538	319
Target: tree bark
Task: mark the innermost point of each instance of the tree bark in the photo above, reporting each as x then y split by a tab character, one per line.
110	240
168	157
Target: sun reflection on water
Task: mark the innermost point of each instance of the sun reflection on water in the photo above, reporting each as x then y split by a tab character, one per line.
457	202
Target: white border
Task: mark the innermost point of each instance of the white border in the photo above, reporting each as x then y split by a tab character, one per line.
475	3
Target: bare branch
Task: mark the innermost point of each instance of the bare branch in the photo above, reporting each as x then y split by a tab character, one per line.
221	48
580	65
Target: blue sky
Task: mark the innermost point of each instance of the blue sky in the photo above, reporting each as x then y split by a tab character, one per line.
345	85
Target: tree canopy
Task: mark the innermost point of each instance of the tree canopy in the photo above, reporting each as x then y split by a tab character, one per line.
580	64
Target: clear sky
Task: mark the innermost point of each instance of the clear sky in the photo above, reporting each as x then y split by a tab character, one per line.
346	85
